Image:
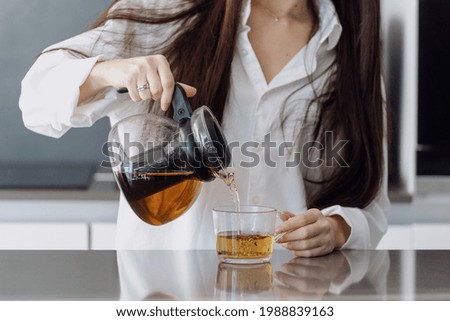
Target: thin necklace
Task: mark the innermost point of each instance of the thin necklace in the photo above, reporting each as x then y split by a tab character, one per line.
269	12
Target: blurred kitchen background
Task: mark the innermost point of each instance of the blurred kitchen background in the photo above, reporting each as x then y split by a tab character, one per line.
53	195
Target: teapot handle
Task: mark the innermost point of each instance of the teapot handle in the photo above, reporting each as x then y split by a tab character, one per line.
181	107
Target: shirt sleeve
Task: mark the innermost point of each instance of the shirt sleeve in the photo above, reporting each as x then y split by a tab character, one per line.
49	97
367	225
51	88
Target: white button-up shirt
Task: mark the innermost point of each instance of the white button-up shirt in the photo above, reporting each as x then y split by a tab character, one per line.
254	110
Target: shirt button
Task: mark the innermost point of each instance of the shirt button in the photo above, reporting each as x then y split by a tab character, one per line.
256	200
244	52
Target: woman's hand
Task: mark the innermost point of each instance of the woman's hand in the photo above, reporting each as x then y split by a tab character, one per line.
133	73
312	234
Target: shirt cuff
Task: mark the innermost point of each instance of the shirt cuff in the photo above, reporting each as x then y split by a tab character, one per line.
50	94
360	234
68	93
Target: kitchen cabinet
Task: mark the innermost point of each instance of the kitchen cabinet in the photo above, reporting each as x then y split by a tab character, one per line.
397	237
431	236
423	223
420	236
44	236
60	219
103	236
57	236
57	224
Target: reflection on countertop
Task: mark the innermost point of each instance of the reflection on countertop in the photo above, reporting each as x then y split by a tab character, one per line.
342	275
198	275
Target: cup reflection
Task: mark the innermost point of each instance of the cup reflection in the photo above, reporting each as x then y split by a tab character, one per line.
242	282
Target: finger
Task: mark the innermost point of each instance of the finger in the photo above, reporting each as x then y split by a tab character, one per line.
189	90
167	83
155	83
285	216
298	221
133	92
144	94
303	233
303	245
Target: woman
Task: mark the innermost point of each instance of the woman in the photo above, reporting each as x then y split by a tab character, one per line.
305	73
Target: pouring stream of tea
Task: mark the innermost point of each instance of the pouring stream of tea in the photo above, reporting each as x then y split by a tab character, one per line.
227	176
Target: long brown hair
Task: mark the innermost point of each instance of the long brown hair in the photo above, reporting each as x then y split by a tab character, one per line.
352	105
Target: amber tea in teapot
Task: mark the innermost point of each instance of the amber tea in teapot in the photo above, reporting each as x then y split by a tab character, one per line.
158	198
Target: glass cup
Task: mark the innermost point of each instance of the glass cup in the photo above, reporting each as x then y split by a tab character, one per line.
245	236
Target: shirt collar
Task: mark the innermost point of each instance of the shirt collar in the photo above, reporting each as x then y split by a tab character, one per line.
330	27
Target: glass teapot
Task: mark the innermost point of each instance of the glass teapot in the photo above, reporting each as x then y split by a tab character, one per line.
160	163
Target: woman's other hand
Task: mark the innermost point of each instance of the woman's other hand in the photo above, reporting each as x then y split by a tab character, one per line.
150	71
311	233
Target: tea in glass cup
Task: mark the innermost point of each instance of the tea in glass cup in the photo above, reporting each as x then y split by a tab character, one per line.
245	236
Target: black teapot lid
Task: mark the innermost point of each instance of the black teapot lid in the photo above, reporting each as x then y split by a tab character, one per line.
203	140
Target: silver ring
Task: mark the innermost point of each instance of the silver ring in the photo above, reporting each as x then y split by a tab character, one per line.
143	87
